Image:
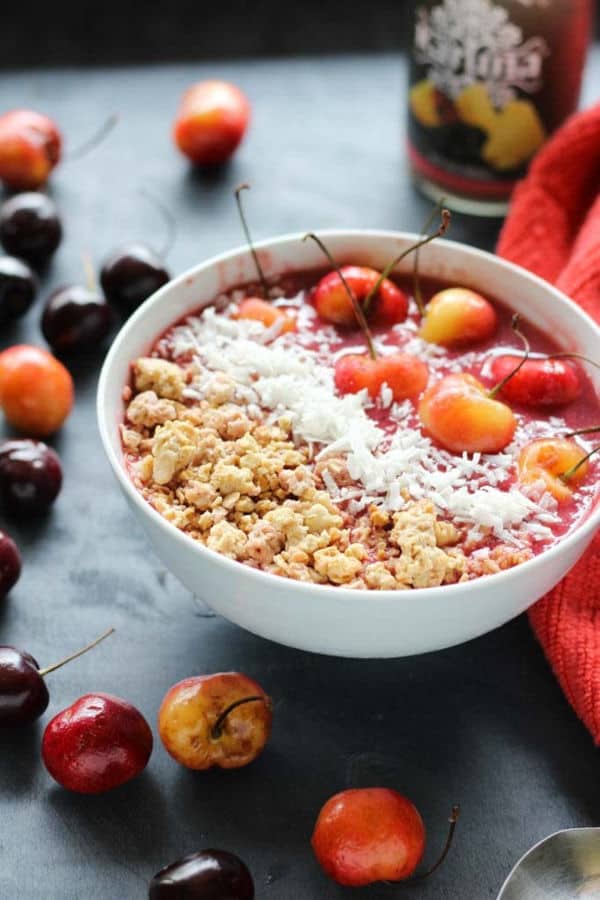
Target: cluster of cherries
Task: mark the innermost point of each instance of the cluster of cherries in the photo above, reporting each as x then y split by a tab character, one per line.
459	411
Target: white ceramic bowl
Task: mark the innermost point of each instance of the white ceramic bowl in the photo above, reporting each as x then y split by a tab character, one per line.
329	619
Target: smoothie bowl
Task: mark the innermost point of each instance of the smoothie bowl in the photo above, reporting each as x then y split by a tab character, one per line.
368	502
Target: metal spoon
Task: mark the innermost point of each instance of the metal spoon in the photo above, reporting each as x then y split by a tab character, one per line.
564	866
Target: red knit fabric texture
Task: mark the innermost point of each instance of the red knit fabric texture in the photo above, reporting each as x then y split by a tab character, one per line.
553	229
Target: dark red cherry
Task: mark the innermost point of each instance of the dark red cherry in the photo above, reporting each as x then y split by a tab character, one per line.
10	564
30	227
130	275
17	288
23	692
30	477
75	318
208	875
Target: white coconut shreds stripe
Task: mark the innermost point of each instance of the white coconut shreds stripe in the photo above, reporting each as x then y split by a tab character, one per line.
285	376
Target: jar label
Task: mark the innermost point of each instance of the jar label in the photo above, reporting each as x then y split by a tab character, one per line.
461	42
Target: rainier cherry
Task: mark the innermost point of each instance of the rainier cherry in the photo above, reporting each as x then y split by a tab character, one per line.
458	316
460	414
558	463
208	875
262	311
30	146
330	298
211	122
97	744
405	375
36	391
372	834
538	382
219	720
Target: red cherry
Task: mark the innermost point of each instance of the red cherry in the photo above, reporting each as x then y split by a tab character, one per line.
404	374
367	835
211	122
539	382
97	744
30	147
333	304
460	414
36	391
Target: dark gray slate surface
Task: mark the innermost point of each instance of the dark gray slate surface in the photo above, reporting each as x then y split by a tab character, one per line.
485	723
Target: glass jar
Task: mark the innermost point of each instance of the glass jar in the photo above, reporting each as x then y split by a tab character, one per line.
489	81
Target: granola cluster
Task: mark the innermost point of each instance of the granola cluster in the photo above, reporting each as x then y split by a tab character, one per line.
244	488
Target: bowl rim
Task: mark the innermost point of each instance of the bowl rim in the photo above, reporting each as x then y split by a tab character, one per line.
344	594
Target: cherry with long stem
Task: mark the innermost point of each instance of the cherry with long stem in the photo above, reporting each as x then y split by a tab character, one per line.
358	310
259	268
591	429
217	729
416	275
441	231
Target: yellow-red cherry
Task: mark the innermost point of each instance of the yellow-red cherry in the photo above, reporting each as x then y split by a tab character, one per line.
460	414
261	311
405	375
36	390
457	316
547	460
331	300
30	147
212	120
368	834
221	720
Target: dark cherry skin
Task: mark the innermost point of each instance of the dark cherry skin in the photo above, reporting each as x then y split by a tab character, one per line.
10	564
30	227
208	875
17	289
130	275
30	477
97	744
24	696
75	318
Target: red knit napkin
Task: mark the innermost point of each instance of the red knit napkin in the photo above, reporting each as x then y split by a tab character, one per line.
553	229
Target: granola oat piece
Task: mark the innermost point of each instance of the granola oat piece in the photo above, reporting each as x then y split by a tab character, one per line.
130	438
200	495
378	577
147	410
446	534
173	449
264	542
226	539
296	481
159	375
414	526
220	389
229	479
338	567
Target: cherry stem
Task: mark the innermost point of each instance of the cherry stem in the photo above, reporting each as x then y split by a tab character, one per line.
416	276
449	838
68	659
574	356
590	430
516	319
167	217
441	231
217	729
95	139
570	472
259	268
90	273
358	310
